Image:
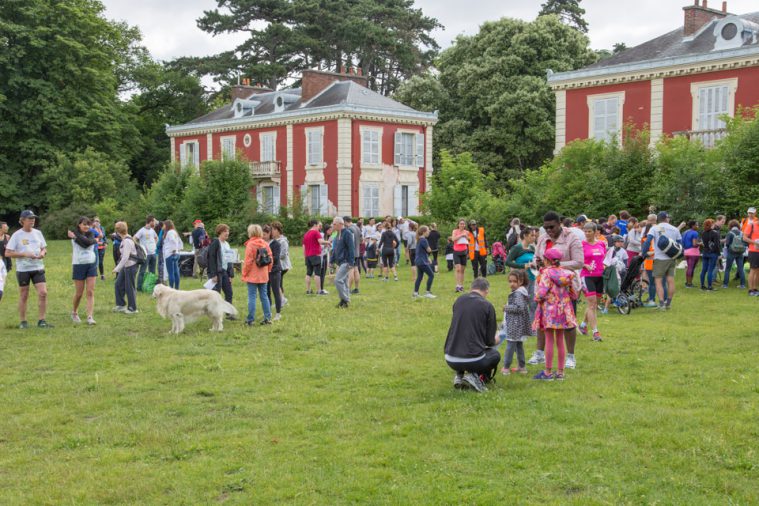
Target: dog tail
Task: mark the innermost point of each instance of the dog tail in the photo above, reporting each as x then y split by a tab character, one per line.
229	308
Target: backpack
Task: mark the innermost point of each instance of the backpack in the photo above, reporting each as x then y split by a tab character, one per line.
672	249
262	257
737	246
141	256
203	258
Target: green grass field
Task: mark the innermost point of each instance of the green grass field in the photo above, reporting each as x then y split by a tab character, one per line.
356	406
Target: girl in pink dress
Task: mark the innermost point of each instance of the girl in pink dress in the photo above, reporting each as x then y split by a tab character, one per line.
554	293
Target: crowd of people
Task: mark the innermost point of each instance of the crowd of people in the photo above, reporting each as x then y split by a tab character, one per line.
548	268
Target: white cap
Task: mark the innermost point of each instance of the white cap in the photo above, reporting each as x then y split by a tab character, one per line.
752	210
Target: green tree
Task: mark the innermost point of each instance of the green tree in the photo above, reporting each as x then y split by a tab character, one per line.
569	11
61	67
739	153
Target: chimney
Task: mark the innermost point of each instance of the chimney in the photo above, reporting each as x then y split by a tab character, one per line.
699	15
314	82
245	90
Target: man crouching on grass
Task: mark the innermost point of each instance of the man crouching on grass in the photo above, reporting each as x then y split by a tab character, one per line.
469	347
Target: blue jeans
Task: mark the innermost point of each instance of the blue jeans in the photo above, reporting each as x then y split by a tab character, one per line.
172	269
739	260
708	263
652	286
259	288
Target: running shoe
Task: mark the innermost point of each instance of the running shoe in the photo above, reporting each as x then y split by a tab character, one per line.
23	325
559	376
354	291
522	370
570	362
583	328
277	317
543	376
44	325
474	382
429	295
537	358
415	295
131	311
91	320
458	380
505	371
741	287
119	309
395	278
597	336
603	310
322	292
75	318
650	303
266	321
284	301
309	292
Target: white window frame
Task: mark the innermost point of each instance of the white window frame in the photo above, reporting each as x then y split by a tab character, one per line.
593	100
227	154
315	158
273	206
263	139
695	91
370	204
183	155
370	158
417	155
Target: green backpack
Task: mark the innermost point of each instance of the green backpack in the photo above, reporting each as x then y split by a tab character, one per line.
149	282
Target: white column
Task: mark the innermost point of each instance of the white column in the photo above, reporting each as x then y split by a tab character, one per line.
428	158
657	110
289	193
344	166
561	119
173	149
209	146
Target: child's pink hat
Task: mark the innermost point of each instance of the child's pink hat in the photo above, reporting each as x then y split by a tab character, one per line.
553	254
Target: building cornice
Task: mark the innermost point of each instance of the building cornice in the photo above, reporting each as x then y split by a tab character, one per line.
656	69
300	117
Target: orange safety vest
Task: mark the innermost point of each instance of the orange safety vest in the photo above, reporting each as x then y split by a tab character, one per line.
480	243
648	263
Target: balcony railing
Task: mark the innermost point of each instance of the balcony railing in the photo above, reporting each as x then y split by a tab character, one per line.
264	170
708	138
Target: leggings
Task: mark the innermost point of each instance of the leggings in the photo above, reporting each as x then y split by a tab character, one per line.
559	335
282	282
325	270
692	262
421	270
275	280
101	255
707	268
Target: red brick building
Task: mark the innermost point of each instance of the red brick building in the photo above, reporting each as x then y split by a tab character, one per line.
340	147
682	82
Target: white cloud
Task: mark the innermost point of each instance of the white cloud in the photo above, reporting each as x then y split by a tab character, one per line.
169	27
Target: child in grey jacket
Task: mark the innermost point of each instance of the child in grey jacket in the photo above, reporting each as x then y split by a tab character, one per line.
516	326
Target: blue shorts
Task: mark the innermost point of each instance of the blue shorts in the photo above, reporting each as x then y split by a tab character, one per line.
84	271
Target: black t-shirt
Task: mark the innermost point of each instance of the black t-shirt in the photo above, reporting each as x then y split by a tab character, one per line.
434	239
386	241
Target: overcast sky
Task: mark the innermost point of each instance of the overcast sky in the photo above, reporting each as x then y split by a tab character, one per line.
169	28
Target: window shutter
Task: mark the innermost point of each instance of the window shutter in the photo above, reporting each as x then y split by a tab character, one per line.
366	156
196	155
366	195
183	155
277	199
397	148
259	198
323	211
397	200
420	150
413	200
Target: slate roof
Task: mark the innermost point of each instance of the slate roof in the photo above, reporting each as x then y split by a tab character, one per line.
670	45
337	93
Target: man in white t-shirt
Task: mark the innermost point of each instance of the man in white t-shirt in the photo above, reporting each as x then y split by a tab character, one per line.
28	246
664	265
148	239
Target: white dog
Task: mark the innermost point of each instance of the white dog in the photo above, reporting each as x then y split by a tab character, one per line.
185	307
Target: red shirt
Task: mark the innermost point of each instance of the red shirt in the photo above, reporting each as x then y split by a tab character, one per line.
311	246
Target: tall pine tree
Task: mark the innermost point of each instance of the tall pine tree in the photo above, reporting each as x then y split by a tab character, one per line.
569	11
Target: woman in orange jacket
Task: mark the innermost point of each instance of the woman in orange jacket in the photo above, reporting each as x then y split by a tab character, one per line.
255	272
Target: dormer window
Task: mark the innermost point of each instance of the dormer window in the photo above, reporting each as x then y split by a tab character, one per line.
733	32
243	107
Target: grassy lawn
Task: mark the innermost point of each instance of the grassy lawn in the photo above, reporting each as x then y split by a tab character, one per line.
356	406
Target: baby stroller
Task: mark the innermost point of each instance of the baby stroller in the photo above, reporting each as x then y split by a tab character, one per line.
631	290
499	259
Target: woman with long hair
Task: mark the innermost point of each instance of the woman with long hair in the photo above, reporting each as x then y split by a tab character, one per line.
387	245
422	262
84	260
710	240
460	238
172	246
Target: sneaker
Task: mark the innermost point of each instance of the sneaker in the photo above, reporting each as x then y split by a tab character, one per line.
597	336
703	287
570	363
458	380
277	317
603	310
395	278
249	323
754	294
75	318
119	309
543	376
474	382
711	289
342	305
415	295
688	285
102	277
661	307
724	287
23	325
559	376
741	287
266	322
131	311
354	291
385	279
44	325
91	320
505	371
323	292
429	295
284	301
650	303
537	358
583	328
309	292
522	370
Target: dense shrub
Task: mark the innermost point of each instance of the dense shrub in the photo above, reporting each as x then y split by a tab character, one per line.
54	224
